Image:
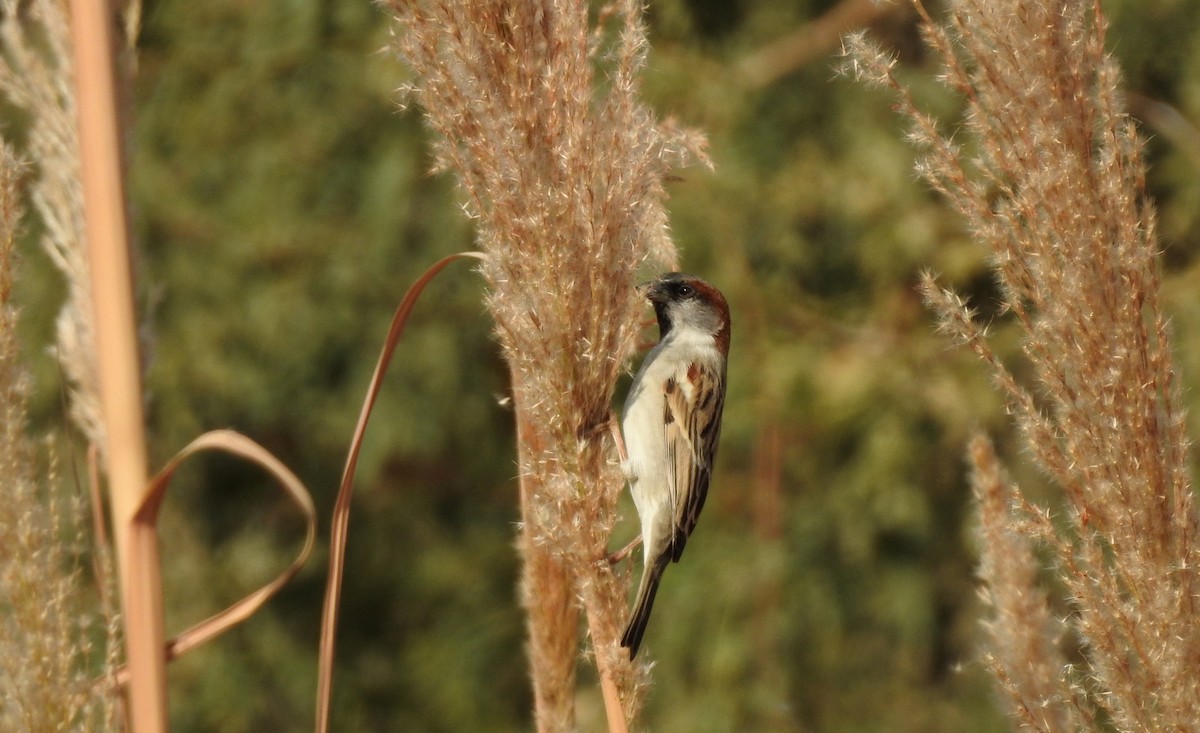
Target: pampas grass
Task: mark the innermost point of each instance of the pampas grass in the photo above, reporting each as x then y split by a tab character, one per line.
46	651
1055	192
49	629
39	79
535	109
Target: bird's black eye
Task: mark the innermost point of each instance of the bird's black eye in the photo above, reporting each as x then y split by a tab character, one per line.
685	291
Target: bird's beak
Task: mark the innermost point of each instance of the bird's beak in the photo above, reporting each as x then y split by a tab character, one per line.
645	289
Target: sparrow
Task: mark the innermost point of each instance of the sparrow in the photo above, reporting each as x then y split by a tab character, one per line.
672	421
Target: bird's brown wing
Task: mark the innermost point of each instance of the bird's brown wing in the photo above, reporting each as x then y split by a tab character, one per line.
692	420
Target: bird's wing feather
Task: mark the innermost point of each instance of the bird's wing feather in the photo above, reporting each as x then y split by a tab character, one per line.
692	421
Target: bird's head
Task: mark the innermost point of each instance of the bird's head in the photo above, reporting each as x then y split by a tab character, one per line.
686	302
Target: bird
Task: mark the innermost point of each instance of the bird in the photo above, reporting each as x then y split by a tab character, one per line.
671	426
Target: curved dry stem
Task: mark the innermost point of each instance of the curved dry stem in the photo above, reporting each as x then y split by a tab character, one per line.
341	507
239	445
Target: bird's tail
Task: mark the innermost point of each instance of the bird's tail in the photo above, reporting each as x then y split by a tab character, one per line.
651	575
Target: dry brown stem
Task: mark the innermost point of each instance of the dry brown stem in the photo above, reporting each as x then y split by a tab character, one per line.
813	40
340	524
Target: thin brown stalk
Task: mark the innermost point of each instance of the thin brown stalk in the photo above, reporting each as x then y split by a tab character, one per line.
236	444
812	41
341	510
609	691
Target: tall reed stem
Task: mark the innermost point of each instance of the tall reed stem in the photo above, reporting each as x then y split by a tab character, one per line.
547	593
117	356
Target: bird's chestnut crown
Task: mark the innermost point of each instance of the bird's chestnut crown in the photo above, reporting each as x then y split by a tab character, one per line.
684	300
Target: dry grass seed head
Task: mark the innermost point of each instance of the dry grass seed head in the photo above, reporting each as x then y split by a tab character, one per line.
1055	192
562	168
44	627
36	75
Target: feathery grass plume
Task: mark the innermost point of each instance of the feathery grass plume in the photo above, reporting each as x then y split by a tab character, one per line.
1056	193
563	173
44	646
1024	635
36	75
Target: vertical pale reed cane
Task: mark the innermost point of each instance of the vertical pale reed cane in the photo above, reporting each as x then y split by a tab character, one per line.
116	346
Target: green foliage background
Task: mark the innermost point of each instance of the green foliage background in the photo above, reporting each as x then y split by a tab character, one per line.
282	205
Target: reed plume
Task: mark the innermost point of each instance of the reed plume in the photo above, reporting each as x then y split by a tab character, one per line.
45	650
1054	188
47	654
36	75
536	112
